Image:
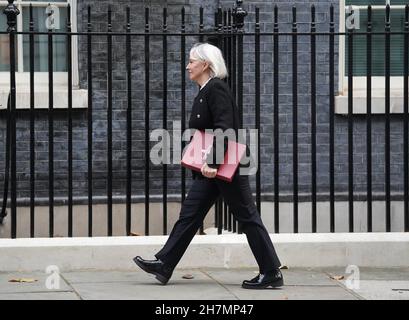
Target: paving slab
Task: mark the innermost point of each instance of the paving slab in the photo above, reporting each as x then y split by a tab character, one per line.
298	284
303	277
38	286
145	287
297	293
98	276
366	273
40	296
381	289
137	276
208	284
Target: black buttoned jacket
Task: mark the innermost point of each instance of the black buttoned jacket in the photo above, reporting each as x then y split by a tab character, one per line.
214	108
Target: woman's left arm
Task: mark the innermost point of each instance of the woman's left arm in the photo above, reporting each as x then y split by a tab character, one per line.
221	109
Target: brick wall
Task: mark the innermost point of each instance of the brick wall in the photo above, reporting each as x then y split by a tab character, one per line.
99	55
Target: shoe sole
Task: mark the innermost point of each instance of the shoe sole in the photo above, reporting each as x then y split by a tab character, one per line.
272	285
158	276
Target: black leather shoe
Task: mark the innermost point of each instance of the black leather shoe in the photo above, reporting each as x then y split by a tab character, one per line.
272	279
155	267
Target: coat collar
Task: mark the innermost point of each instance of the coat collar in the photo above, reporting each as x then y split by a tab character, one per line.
206	87
201	88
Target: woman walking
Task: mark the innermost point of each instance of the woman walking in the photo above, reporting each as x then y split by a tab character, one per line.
214	108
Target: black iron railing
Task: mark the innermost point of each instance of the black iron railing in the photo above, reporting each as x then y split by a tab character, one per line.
228	34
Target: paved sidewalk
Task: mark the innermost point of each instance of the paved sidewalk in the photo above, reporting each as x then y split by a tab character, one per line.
212	284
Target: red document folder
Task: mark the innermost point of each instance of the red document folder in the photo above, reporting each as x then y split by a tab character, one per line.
196	153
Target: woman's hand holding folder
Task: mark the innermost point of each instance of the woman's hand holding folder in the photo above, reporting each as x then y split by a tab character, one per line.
208	172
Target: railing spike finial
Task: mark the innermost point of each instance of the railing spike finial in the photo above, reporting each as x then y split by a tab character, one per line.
11	11
239	13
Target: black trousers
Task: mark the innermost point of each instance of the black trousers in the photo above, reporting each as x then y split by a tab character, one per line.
201	197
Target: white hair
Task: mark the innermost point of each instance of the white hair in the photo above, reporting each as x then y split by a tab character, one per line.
212	55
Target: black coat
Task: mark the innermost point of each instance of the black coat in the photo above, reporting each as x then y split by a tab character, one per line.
214	108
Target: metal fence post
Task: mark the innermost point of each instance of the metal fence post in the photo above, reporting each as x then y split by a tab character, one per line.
239	14
11	11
